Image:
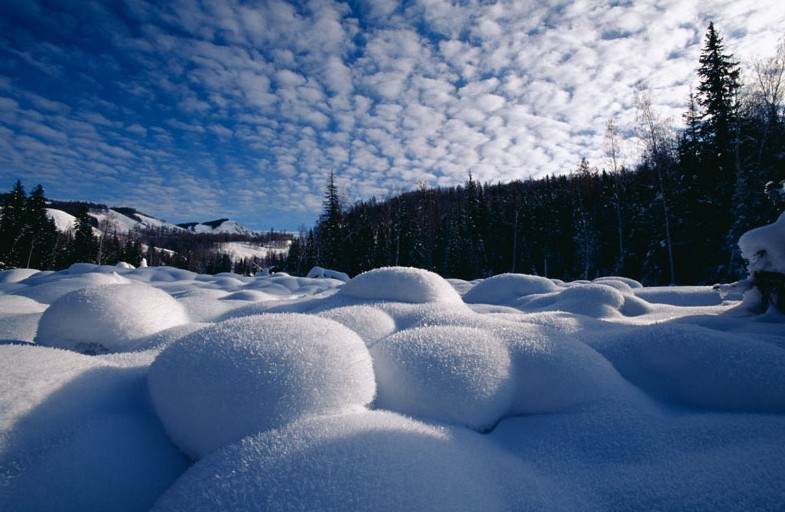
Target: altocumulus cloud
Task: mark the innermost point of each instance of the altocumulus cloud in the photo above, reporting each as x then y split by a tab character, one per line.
187	109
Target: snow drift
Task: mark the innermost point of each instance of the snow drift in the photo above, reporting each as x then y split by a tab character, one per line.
397	390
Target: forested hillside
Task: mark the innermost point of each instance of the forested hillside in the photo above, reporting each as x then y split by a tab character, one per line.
673	218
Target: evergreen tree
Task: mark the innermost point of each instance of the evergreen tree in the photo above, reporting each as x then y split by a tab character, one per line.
717	93
12	226
40	238
719	170
85	249
329	232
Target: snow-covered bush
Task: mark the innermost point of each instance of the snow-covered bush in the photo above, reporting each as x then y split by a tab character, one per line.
108	318
763	249
247	375
325	273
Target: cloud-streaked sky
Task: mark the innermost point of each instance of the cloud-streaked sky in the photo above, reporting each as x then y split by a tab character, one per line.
195	109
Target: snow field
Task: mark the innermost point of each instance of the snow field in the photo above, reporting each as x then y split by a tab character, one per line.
393	391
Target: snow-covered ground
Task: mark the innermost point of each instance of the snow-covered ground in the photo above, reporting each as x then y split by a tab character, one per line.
396	390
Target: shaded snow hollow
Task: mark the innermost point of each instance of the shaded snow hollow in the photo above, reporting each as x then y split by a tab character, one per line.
396	390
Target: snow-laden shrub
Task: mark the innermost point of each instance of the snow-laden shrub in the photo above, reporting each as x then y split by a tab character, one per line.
400	284
764	247
366	461
325	273
504	289
458	375
247	375
109	318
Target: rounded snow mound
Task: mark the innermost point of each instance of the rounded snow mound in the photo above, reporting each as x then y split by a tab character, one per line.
593	300
370	323
458	375
47	287
364	461
15	275
108	318
251	374
400	284
504	289
554	372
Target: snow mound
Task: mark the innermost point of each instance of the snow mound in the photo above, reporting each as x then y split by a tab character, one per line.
618	282
370	323
77	433
93	469
109	318
48	287
594	300
458	375
247	375
19	317
400	284
681	296
162	274
504	289
15	275
554	372
700	367
764	247
365	461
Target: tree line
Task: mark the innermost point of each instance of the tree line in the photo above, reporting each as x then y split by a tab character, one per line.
29	238
673	218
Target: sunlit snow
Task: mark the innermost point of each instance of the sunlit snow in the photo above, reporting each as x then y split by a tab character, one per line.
396	390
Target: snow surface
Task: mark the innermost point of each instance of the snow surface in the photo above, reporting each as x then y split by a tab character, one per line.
397	390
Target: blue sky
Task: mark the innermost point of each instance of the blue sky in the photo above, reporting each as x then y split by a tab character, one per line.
190	110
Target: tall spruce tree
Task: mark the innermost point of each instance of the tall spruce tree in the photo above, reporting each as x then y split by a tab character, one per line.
329	233
718	172
717	94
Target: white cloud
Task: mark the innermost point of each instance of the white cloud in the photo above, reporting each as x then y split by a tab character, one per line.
270	97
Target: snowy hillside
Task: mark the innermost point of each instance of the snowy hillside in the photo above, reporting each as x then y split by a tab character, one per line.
63	221
108	220
220	226
128	220
397	390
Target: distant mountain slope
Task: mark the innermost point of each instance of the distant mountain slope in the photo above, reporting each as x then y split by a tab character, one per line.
126	220
219	226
